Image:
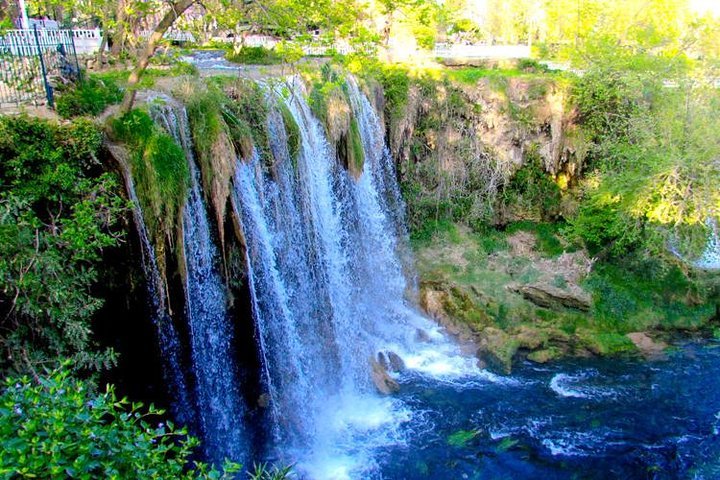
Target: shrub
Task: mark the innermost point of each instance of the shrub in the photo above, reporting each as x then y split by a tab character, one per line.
58	212
254	56
57	428
88	97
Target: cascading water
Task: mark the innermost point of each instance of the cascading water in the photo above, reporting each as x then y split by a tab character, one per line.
220	411
328	291
168	338
710	257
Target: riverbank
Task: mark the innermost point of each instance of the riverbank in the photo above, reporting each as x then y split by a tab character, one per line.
527	292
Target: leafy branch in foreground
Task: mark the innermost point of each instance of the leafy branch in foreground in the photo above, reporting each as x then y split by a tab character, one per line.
57	428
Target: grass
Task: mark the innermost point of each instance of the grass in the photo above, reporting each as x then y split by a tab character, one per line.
151	74
547	234
88	97
160	171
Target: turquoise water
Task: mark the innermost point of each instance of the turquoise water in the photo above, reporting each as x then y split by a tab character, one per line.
584	419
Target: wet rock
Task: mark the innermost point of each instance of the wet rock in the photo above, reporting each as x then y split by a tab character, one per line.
382	380
397	364
421	336
550	296
648	347
383	361
497	350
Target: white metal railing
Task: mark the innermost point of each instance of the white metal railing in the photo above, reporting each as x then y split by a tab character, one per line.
85	40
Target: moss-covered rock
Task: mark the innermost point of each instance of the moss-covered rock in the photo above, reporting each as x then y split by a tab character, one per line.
545	355
497	349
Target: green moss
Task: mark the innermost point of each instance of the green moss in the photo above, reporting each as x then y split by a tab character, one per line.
356	151
636	293
545	355
605	343
160	171
292	130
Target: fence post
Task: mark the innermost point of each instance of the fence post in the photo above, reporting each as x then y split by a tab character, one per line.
74	52
48	88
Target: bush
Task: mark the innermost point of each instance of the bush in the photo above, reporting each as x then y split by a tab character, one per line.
57	428
88	97
58	211
254	56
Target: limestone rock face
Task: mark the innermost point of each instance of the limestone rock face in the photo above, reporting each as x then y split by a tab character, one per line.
382	379
545	295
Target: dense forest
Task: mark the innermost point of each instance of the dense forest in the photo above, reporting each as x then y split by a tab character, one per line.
555	207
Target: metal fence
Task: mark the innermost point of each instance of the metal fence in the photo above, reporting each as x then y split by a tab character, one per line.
33	63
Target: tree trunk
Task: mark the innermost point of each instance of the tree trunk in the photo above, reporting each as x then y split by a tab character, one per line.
118	36
100	59
176	9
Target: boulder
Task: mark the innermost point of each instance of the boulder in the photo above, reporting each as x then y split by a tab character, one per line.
382	380
421	336
550	296
647	346
544	356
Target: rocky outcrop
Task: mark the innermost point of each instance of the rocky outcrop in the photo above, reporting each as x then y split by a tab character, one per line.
497	350
549	296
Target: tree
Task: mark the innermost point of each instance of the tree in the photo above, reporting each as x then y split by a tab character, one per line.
176	9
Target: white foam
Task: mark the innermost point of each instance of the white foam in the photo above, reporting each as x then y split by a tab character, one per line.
568	386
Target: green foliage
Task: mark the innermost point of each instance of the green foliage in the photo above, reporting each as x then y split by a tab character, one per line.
88	97
57	428
395	81
254	56
636	293
263	472
292	130
531	191
58	212
160	171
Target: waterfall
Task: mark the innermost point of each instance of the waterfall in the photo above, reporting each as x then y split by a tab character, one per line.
328	288
168	339
220	411
327	262
710	257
